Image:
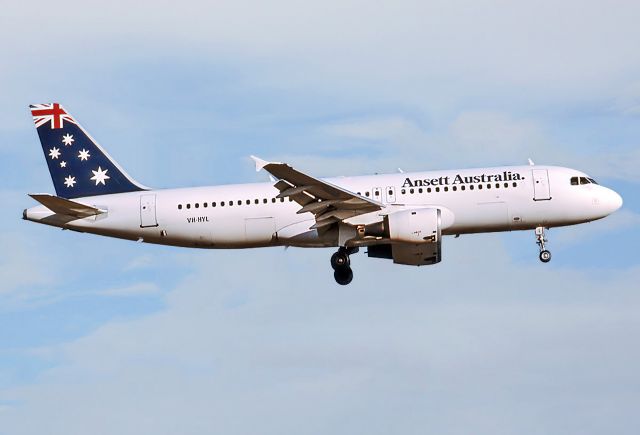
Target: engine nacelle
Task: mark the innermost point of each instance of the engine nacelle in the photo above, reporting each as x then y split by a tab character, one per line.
415	237
414	226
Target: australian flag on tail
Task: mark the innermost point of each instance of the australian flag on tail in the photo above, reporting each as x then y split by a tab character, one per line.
78	165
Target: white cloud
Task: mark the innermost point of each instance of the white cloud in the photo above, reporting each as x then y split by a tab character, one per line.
430	52
622	220
140	262
628	102
424	347
140	289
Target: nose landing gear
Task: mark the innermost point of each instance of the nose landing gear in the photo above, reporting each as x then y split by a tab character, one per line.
545	255
341	265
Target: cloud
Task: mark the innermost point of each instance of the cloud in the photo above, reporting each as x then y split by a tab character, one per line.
140	289
408	349
264	340
430	53
628	102
622	221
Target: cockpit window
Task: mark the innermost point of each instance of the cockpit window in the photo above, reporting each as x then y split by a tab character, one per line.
582	180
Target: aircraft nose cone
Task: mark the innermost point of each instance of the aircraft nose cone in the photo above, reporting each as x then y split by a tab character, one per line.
613	201
616	201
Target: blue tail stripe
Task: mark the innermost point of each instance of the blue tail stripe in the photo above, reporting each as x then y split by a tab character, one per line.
78	165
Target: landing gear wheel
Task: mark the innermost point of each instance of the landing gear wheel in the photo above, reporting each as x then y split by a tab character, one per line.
340	260
343	275
545	256
541	240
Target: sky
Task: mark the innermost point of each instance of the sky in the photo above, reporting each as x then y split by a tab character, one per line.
106	336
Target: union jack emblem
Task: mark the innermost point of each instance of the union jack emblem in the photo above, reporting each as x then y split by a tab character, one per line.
53	113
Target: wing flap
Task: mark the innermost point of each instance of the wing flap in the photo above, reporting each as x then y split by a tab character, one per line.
329	203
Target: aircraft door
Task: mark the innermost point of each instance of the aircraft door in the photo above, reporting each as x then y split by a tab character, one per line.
391	194
148	211
541	190
377	193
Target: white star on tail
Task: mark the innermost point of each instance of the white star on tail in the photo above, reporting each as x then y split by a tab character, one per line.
70	181
54	153
84	154
63	164
67	139
100	176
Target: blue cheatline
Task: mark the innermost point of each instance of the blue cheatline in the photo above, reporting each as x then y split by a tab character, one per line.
77	164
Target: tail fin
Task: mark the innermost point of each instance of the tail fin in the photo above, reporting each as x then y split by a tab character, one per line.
78	165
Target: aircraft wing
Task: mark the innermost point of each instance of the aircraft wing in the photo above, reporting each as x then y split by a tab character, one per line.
329	203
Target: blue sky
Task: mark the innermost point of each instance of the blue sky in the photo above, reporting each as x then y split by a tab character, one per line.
106	336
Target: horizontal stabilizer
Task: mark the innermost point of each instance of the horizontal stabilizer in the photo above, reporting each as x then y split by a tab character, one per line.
66	207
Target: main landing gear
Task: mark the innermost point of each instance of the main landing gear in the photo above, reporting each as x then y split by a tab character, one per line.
341	265
545	256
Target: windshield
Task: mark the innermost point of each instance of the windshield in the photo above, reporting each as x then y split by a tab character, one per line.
575	181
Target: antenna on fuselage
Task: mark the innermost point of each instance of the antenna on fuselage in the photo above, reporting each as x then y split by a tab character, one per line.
531	162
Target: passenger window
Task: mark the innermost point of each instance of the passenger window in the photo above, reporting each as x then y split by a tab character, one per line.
281	199
197	205
437	189
515	184
188	205
428	190
273	200
471	187
248	202
205	205
403	191
411	190
390	192
446	189
222	204
213	204
454	188
230	203
497	185
179	206
257	201
488	186
462	187
506	184
264	200
479	186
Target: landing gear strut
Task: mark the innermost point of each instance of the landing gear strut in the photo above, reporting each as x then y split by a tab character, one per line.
340	263
545	256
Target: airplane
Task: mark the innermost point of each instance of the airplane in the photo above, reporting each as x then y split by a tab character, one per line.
400	217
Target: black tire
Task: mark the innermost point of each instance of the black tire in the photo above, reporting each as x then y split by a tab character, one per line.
339	260
343	275
545	256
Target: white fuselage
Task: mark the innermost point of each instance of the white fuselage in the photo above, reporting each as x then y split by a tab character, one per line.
250	215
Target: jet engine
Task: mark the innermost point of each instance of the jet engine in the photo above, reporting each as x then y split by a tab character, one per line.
415	237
